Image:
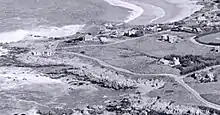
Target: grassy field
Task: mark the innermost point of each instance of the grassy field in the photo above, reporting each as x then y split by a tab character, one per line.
209	91
174	92
152	46
214	98
212	38
126	57
204	88
141	55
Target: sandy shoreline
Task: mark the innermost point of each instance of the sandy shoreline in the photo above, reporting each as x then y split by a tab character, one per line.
136	10
151	12
139	12
156	11
58	18
187	7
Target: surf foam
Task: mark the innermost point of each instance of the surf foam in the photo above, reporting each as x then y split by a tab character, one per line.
18	35
3	51
14	77
188	7
136	10
159	13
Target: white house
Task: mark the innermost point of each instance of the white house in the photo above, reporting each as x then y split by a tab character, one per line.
176	61
88	37
42	53
165	62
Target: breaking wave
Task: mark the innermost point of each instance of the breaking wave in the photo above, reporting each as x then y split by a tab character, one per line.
136	10
21	34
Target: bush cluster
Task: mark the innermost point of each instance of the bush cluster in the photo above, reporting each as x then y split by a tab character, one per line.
190	63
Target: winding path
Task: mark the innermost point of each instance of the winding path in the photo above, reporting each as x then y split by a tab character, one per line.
137	11
178	78
197	43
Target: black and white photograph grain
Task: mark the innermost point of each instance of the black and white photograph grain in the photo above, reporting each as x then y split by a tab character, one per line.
109	57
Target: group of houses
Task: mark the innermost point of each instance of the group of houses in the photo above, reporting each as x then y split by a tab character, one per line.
170	38
46	53
174	62
204	77
187	29
107	33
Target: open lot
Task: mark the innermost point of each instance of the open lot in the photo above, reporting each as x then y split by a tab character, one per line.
206	88
125	57
211	38
214	98
173	91
153	47
141	55
209	91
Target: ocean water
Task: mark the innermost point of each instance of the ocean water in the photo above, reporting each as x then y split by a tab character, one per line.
18	18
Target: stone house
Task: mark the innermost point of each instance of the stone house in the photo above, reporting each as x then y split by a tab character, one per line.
169	38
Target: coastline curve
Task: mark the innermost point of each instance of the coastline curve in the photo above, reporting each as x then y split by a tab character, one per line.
136	10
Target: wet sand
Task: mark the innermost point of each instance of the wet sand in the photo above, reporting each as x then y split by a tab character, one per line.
21	14
20	17
163	11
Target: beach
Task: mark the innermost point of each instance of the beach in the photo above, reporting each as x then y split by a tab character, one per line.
108	56
136	10
57	19
160	11
187	7
52	17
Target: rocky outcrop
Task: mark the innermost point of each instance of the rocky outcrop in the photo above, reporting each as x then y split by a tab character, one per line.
134	104
106	79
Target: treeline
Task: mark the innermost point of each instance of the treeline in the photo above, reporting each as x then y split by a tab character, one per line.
191	63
